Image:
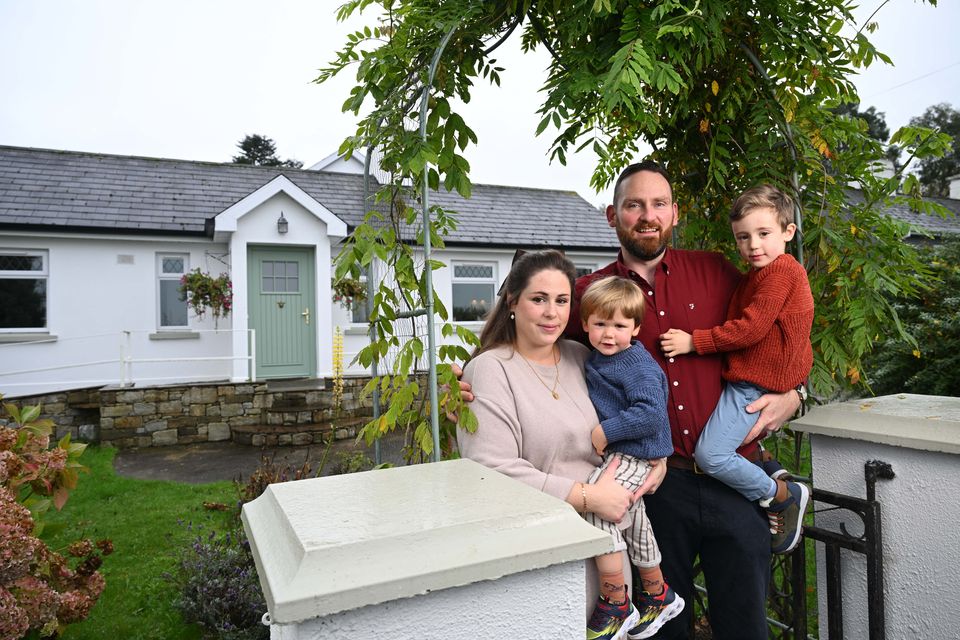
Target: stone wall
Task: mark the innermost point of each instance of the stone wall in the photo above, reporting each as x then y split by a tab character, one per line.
251	413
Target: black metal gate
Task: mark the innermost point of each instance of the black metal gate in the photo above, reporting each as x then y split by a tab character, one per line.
788	599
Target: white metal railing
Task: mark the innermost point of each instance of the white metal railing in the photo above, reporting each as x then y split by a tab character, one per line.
126	360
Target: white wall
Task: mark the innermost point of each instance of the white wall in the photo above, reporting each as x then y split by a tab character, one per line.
98	287
919	436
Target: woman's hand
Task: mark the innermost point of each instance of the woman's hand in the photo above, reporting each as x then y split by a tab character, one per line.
607	498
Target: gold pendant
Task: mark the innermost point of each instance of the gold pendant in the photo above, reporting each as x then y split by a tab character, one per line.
556	396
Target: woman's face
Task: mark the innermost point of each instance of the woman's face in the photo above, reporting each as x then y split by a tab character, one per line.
542	310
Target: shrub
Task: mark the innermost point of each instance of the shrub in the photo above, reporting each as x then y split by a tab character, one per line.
40	590
931	365
219	589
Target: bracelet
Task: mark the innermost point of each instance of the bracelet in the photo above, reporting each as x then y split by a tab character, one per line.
583	494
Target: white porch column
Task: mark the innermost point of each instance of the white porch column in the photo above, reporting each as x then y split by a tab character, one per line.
919	436
435	551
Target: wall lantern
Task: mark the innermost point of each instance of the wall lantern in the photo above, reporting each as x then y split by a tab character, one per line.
282	224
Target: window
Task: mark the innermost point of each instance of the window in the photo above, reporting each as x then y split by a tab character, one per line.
173	306
360	309
585	269
23	290
280	276
474	285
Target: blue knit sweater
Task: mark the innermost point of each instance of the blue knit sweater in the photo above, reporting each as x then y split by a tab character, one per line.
629	391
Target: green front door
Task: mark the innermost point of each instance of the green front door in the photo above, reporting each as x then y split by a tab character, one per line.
283	311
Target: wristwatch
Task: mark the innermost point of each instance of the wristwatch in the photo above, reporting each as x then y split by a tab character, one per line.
802	393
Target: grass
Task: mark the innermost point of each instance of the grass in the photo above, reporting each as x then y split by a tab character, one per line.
143	518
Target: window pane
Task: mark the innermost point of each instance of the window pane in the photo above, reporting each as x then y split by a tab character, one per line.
23	303
473	271
21	263
172	265
268	284
267	268
584	271
293	284
173	310
360	311
471	301
293	269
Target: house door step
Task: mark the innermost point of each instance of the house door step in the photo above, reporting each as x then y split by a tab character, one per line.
296	384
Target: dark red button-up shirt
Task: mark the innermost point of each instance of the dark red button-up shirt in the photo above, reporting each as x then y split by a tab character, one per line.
691	290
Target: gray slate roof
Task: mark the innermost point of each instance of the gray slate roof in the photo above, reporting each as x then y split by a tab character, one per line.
932	225
75	191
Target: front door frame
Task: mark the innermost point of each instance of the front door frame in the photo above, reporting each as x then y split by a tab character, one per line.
279	352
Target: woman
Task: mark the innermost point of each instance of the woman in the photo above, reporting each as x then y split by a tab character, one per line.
531	401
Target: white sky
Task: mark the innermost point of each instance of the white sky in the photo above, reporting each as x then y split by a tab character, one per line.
190	78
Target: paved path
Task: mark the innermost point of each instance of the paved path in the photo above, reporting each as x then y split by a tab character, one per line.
213	461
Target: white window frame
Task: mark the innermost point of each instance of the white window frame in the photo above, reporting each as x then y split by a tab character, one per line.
42	274
161	276
455	280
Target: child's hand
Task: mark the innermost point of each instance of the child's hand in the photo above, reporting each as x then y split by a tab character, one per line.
675	342
599	440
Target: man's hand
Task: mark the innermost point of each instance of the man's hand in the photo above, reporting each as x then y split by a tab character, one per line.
466	391
775	409
675	343
599	440
658	471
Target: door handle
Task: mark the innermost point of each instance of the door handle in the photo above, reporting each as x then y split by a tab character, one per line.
306	315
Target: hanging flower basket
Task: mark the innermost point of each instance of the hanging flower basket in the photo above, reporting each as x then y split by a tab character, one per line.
202	292
348	291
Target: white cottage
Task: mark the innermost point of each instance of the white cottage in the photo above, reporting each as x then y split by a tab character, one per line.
92	248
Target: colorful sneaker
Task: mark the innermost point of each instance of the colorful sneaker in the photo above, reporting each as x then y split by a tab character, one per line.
611	621
655	611
786	516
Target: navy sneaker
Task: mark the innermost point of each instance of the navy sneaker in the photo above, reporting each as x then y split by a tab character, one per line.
655	611
786	517
611	621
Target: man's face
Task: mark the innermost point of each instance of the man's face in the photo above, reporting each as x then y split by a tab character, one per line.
644	215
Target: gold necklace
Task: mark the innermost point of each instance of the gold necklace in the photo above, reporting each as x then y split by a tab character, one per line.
556	380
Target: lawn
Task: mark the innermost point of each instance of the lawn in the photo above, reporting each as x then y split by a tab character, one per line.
147	522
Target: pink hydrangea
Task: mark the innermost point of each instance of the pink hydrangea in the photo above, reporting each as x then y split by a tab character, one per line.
37	600
13	620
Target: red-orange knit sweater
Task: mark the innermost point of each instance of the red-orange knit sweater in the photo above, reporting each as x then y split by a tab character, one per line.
767	333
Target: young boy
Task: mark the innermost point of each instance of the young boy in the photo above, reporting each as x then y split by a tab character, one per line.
629	391
766	339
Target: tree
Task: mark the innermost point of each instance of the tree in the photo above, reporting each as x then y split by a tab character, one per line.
261	151
935	172
727	96
876	120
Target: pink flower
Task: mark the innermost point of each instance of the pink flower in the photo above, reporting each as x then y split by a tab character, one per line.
13	620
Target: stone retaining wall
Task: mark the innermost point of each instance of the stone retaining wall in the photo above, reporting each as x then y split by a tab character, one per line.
183	414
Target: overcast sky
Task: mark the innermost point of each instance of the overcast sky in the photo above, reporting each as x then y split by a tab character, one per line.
189	78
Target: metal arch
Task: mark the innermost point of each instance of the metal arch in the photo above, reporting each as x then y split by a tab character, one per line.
428	274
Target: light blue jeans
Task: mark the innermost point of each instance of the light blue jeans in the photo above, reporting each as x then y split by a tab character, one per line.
728	425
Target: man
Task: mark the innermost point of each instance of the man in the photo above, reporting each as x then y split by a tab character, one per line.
692	514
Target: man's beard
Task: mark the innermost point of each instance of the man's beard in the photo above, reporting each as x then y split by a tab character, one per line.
645	248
